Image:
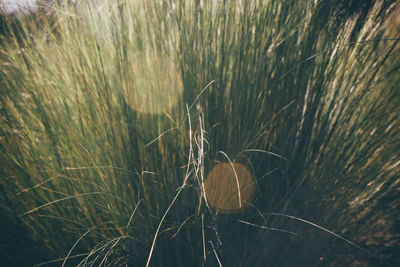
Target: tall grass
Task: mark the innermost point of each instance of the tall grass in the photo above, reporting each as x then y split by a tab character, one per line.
114	112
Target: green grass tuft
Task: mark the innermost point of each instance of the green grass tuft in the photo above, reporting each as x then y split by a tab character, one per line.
114	112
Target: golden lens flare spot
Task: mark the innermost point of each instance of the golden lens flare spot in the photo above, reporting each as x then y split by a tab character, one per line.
155	85
222	187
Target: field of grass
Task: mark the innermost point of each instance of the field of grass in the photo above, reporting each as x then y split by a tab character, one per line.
201	133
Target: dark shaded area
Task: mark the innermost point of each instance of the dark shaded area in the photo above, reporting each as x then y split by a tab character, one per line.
17	248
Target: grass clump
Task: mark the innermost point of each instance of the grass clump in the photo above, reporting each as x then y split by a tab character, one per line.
113	114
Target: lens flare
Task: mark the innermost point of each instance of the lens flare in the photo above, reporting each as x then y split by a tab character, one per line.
229	188
155	87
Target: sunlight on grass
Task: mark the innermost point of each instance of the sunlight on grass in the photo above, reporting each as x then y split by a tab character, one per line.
117	119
